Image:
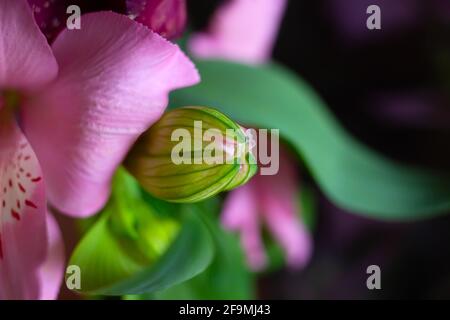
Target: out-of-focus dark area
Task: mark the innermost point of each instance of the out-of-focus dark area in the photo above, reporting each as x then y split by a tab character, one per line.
391	89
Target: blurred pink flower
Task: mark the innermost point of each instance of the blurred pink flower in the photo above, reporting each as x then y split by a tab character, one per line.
272	200
241	30
245	31
166	17
68	116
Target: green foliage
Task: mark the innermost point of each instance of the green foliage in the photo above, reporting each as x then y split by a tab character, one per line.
352	176
226	278
141	244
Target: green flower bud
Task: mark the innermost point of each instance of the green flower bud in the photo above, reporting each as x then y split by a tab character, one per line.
191	154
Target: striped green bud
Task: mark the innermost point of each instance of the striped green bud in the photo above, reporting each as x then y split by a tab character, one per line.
192	153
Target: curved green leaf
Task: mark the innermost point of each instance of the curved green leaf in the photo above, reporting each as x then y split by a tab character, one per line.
226	278
350	174
191	253
138	245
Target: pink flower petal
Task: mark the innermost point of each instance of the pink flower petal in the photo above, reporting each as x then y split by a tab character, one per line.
240	213
165	17
239	208
395	16
115	76
271	200
241	30
51	273
279	204
26	60
23	239
286	227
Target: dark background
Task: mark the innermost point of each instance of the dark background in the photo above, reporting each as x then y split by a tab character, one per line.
391	89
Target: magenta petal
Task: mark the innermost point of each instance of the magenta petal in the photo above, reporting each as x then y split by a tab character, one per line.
51	273
23	240
165	17
26	59
50	15
241	30
115	76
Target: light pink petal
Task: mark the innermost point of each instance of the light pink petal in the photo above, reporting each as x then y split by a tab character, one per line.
253	246
239	208
23	239
285	226
241	30
51	272
278	196
240	213
165	17
26	60
115	76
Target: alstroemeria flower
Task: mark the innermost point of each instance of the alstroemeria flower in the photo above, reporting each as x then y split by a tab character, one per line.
245	31
165	17
68	116
273	201
241	30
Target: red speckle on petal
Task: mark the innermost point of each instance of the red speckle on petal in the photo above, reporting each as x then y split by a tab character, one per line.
21	187
17	178
15	214
30	204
